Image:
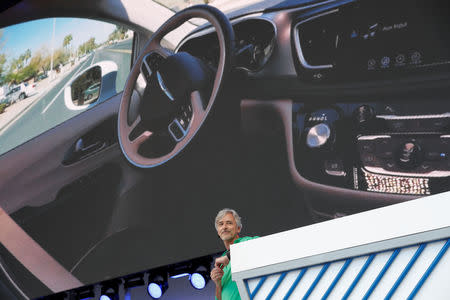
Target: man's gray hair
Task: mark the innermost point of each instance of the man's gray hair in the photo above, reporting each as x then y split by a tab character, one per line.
225	211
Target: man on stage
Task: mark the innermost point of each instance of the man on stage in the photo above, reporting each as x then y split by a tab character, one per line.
228	225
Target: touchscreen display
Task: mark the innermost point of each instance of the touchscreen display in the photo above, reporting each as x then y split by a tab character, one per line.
395	36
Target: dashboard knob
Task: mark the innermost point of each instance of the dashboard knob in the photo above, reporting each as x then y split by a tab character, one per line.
318	135
363	114
409	155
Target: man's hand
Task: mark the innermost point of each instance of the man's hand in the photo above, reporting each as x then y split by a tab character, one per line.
216	275
221	262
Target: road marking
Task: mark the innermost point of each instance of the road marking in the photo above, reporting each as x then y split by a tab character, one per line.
27	108
60	91
120	50
92	61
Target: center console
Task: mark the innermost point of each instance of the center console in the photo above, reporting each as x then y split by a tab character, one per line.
392	136
384	147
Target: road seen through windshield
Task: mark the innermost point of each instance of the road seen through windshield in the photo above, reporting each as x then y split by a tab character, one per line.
47	109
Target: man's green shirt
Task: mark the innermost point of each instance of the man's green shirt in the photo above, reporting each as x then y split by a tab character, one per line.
229	287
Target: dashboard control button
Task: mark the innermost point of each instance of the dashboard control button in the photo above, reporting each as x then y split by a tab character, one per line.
334	167
175	130
326	116
369	159
318	135
366	146
425	167
416	57
385	62
364	114
318	76
409	155
435	155
390	165
400	59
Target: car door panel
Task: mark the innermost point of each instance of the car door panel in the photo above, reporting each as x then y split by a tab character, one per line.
37	164
64	207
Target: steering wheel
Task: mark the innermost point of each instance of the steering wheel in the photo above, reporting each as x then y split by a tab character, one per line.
168	95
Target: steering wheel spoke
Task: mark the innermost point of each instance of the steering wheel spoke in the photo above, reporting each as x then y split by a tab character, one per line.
164	51
141	139
198	105
136	129
135	123
135	134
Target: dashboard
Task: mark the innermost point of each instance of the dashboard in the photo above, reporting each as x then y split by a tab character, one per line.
367	85
339	40
255	40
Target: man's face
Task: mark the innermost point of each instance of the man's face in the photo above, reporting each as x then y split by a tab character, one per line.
227	228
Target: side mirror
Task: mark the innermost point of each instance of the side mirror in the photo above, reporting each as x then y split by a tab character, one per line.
91	86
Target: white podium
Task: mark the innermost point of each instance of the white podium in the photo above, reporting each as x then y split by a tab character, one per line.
394	252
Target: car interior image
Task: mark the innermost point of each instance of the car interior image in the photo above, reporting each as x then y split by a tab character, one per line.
289	111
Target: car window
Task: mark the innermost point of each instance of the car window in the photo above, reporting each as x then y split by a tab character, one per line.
41	60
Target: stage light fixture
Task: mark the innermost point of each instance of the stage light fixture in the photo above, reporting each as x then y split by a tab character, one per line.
59	296
157	285
199	279
179	275
132	281
85	293
110	290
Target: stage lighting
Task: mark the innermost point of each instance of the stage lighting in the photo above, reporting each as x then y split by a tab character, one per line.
110	290
179	275
157	285
85	293
109	296
132	281
199	279
59	296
